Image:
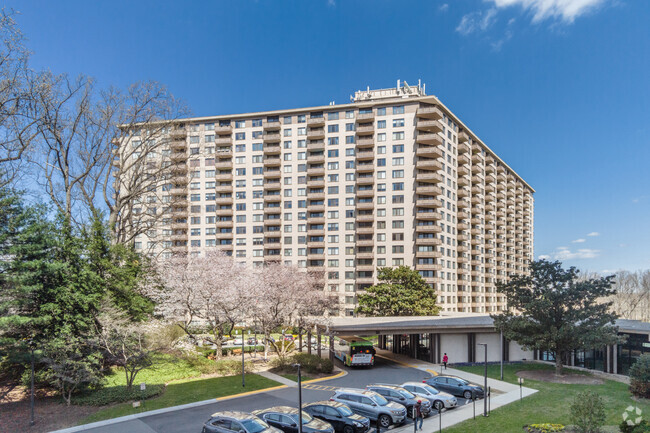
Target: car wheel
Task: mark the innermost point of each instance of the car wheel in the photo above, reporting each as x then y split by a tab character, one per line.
348	429
384	421
467	395
438	405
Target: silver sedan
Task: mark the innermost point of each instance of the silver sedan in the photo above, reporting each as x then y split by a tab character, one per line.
437	398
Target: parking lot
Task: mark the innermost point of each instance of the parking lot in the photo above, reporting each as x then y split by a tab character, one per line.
192	419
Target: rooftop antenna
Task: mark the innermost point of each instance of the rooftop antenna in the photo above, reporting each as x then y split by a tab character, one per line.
398	86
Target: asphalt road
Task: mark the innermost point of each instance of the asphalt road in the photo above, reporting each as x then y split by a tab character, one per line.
191	420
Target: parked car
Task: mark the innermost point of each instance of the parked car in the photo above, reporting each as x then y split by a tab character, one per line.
252	341
438	399
372	405
237	341
286	419
401	396
339	415
232	421
289	338
455	386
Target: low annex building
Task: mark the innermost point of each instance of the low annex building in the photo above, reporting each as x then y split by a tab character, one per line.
458	335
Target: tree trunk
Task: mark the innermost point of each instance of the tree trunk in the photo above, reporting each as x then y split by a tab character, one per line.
558	364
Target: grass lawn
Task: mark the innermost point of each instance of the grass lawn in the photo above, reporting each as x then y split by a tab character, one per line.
187	391
551	404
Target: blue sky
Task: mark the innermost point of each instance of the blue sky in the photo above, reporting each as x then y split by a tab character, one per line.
558	88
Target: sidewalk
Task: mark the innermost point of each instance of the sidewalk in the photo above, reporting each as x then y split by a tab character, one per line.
506	393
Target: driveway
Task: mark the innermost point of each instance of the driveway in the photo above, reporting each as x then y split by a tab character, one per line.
191	420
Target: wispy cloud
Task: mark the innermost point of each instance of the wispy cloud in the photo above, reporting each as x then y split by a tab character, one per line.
564	253
331	3
478	21
579	241
564	10
593	234
443	7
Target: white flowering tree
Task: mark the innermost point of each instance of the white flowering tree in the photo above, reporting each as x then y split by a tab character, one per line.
205	292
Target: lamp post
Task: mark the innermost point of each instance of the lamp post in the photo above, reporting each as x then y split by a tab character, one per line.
243	370
299	398
31	395
485	381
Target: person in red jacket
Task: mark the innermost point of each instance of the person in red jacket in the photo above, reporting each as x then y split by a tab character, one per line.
417	415
445	359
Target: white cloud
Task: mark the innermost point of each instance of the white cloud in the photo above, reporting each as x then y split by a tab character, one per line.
563	253
566	10
478	21
496	46
593	234
331	3
543	257
579	241
443	7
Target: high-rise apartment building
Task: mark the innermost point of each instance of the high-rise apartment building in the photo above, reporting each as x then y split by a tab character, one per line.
392	178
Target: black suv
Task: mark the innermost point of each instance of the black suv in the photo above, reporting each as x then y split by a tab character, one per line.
286	419
339	415
455	386
232	421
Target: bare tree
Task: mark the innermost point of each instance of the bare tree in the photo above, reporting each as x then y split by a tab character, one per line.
632	299
100	149
203	292
18	88
124	343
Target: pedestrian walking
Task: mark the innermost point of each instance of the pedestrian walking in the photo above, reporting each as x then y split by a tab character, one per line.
445	359
417	412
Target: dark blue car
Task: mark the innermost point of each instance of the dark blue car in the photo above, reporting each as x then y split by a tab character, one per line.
455	386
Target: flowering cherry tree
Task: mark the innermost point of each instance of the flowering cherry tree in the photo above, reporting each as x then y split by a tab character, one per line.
202	292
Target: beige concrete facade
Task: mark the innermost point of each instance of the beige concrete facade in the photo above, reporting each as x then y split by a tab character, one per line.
393	178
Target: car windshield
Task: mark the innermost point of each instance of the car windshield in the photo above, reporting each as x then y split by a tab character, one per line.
381	401
254	425
406	393
345	411
431	389
306	418
463	382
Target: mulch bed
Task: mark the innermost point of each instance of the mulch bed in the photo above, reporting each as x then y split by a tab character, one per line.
49	413
567	378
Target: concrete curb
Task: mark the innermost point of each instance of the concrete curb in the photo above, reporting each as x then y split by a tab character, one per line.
135	416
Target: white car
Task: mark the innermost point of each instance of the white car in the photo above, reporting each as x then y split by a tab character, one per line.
437	398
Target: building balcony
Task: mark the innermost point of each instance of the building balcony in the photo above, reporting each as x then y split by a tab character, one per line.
365	193
428	267
224	200
272	186
272	210
272	150
223	177
432	126
221	235
316	134
178	156
226	165
365	206
366	155
365	280
429	112
428	177
316	208
463	137
365	168
223	129
365	180
223	141
428	202
316	171
477	159
365	243
178	145
365	268
272	162
365	218
320	183
428	164
429	151
365	117
428	190
272	222
365	255
316	159
463	181
428	138
224	212
224	224
463	160
223	154
271	125
463	148
223	188
272	174
178	134
428	254
431	228
316	195
316	121
272	138
178	190
365	130
462	226
364	142
427	241
428	216
365	230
